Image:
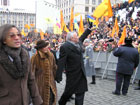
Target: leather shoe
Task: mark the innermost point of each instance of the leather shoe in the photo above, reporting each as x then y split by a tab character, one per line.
115	93
93	83
124	94
137	88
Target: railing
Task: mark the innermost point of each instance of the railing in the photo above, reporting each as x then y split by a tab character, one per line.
105	65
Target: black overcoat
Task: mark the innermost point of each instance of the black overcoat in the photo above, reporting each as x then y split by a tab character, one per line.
71	58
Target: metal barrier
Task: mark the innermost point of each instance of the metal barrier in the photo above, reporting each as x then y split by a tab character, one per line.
106	63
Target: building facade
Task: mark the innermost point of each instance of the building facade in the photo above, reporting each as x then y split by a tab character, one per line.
84	7
4	3
18	17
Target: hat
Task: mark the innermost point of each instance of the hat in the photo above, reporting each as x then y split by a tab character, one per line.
41	44
128	40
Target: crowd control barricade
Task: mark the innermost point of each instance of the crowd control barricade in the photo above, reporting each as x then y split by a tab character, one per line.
105	64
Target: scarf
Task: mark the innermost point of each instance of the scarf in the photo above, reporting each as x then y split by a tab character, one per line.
16	67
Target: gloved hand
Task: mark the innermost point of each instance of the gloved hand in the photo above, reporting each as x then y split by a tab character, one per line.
90	24
58	79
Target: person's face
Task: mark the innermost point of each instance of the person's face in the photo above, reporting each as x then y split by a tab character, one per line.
45	49
75	38
13	38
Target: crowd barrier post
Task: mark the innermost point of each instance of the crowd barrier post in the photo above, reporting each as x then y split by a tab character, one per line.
107	65
97	58
134	76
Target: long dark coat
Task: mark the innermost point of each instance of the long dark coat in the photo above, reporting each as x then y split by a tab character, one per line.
16	91
128	59
71	58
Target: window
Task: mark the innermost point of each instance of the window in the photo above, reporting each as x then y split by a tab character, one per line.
87	1
93	2
93	8
99	1
87	9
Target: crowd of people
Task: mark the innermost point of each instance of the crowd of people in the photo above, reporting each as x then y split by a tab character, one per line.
30	68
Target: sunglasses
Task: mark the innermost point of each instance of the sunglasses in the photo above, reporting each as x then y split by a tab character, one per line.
13	36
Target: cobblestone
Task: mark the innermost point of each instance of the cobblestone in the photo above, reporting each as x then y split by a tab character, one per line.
101	93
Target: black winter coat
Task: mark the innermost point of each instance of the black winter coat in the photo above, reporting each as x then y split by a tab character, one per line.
71	58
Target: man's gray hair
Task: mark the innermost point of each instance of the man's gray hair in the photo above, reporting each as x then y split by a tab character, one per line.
69	35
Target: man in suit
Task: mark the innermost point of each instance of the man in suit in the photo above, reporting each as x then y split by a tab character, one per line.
71	58
128	59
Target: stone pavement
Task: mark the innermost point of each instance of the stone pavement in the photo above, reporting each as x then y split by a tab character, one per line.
101	93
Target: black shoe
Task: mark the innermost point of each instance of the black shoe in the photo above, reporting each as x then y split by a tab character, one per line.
124	94
115	93
93	83
137	88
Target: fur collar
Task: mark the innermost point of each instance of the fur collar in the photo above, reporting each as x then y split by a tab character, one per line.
9	66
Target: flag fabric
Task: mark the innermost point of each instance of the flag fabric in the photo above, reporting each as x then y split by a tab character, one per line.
121	41
130	1
23	33
27	26
96	22
56	29
42	35
76	26
32	25
110	13
76	14
81	26
91	19
66	29
62	23
102	18
101	9
57	24
35	30
71	20
115	28
104	9
49	20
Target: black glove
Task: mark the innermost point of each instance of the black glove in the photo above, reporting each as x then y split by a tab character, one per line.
58	79
90	24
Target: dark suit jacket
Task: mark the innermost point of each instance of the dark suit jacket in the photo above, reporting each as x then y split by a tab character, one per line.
128	59
71	58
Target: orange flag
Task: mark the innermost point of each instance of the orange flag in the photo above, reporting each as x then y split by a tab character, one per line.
115	28
130	1
42	35
71	19
32	25
110	13
121	41
27	26
62	20
81	26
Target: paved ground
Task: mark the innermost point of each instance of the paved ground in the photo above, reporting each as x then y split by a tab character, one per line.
101	94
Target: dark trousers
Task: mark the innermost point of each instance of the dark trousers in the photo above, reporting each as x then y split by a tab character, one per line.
122	81
79	98
51	101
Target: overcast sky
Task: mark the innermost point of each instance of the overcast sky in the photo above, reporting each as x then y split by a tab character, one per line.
26	4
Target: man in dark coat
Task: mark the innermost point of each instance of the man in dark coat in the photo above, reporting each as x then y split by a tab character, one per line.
128	59
71	58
